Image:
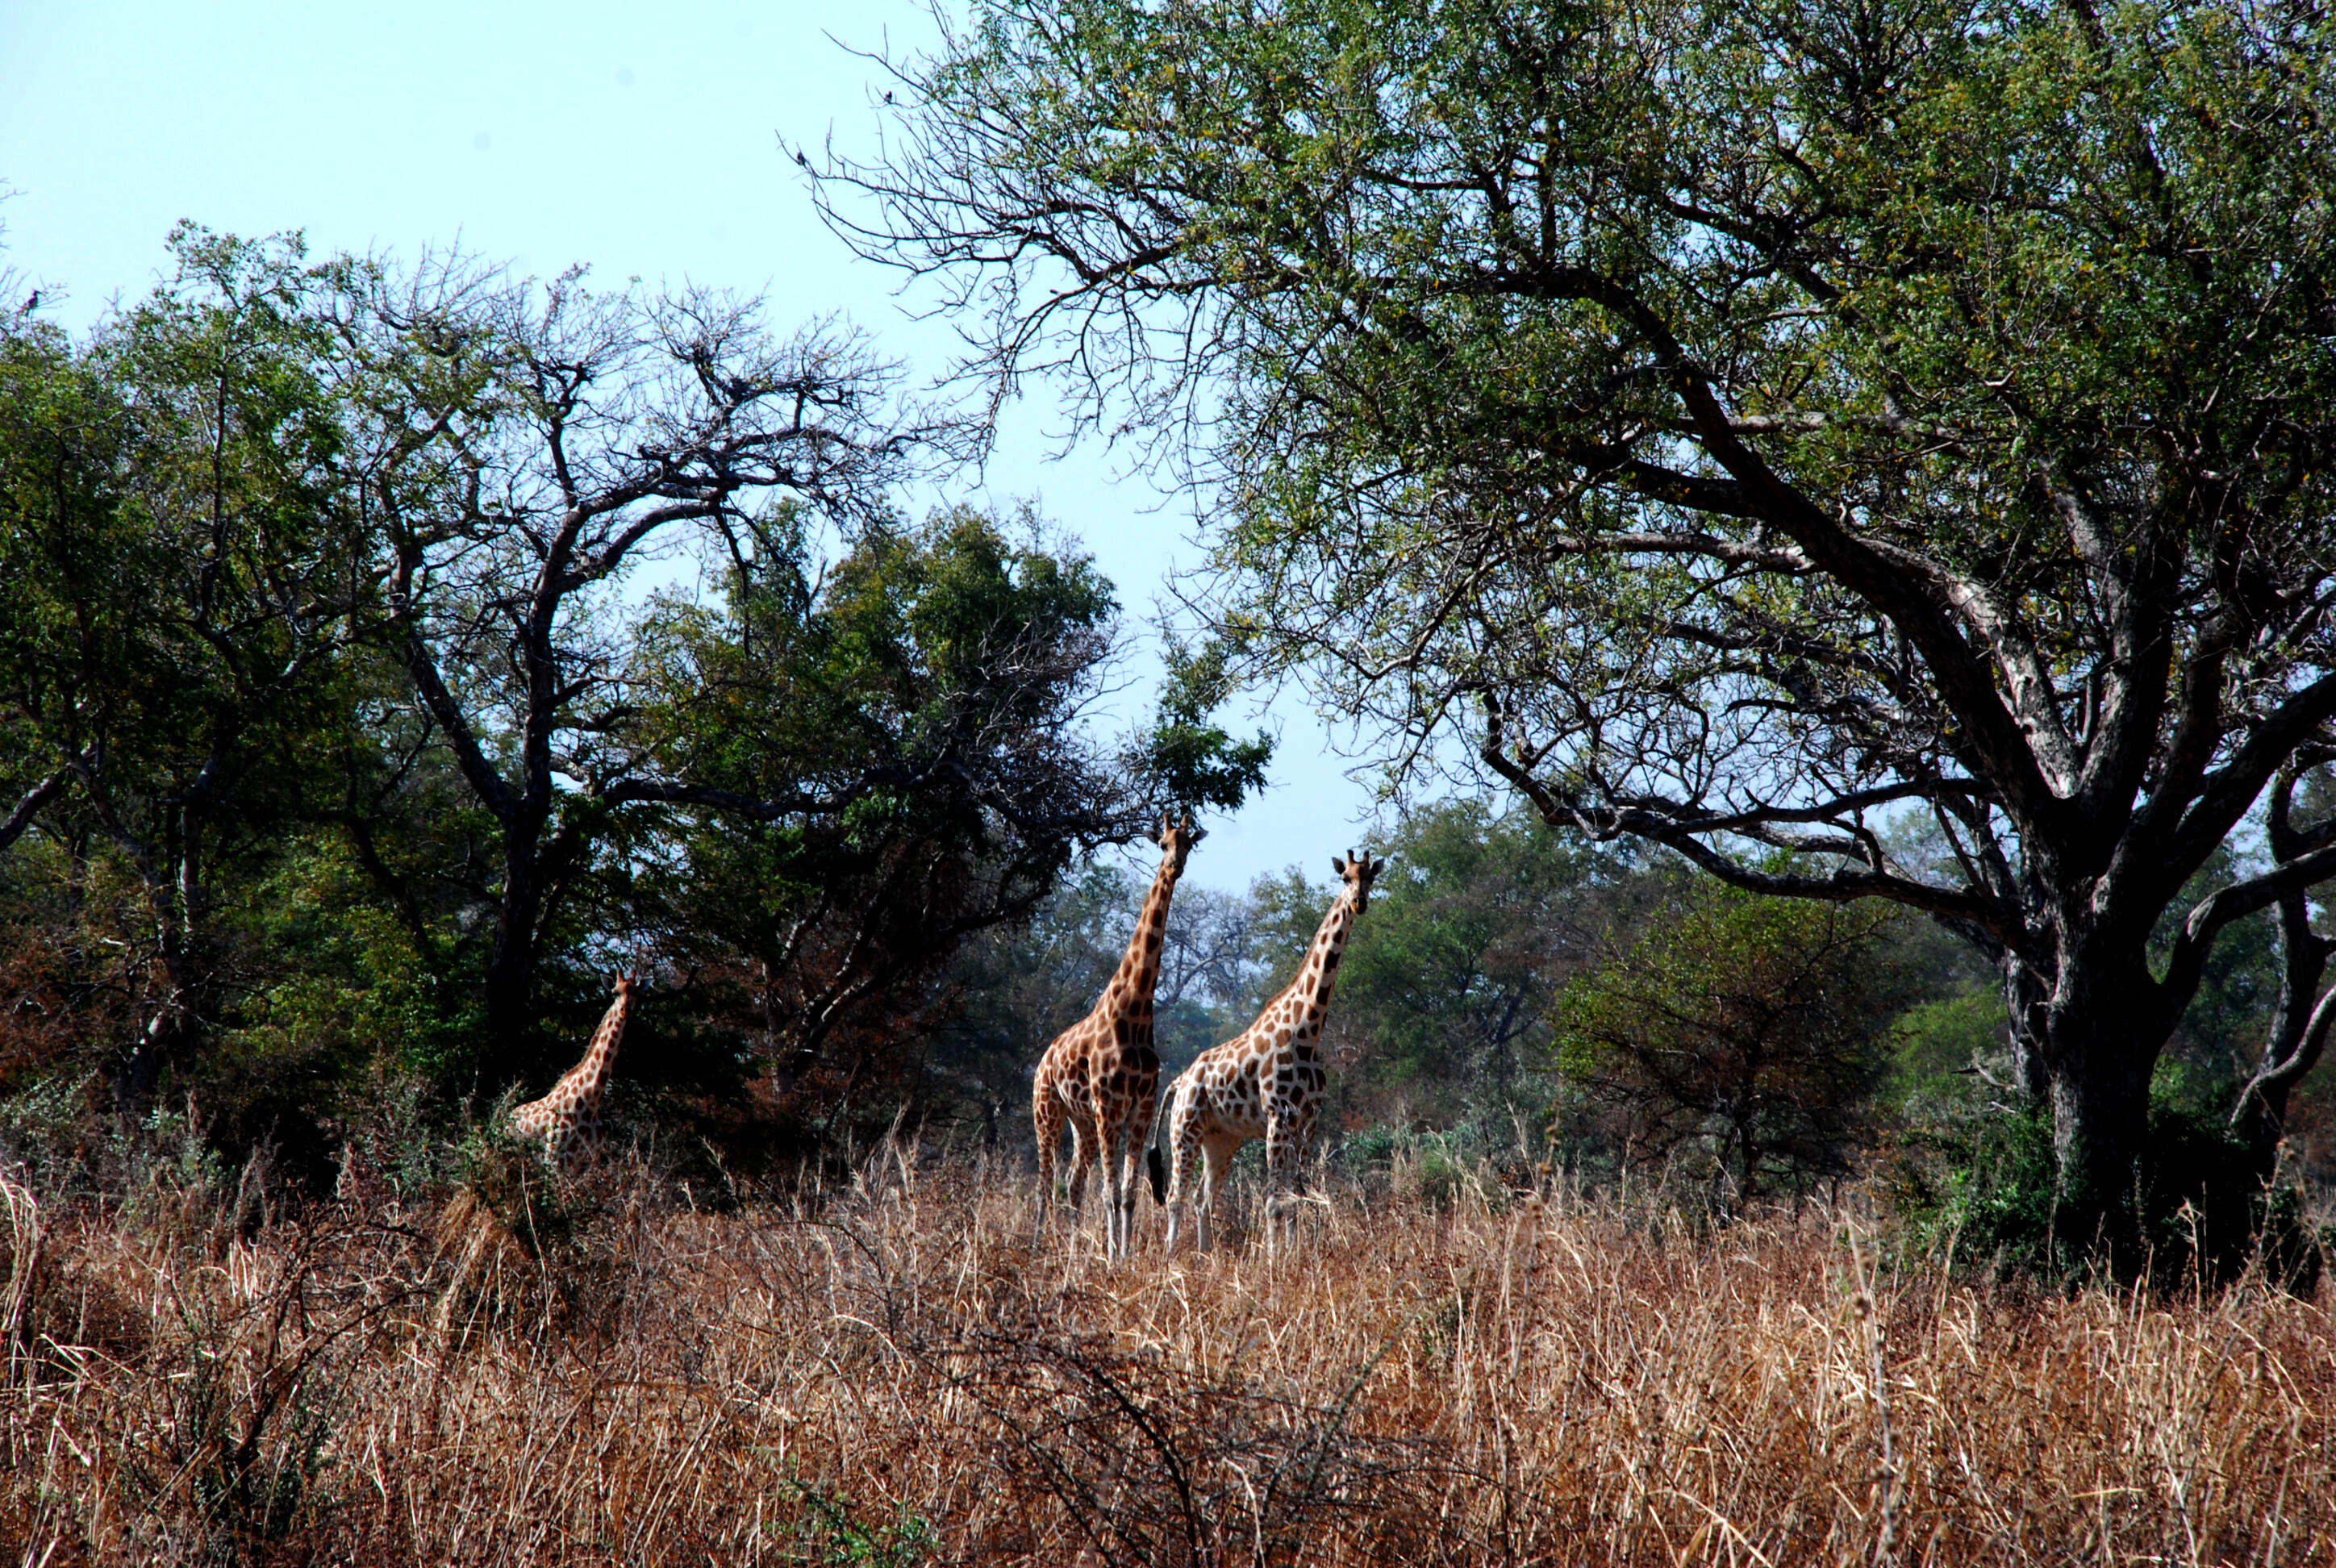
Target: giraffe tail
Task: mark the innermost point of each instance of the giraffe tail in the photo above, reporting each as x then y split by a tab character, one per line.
1156	1162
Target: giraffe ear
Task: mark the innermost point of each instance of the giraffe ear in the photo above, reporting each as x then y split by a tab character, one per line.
1337	865
1157	834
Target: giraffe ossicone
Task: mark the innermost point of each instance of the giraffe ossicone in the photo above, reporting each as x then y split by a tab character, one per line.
1101	1075
567	1121
1266	1082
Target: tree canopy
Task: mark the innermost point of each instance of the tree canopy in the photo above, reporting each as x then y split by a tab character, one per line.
182	548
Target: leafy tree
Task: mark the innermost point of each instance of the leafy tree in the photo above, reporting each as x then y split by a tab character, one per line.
338	738
1936	1045
528	447
537	444
181	567
1750	1030
1197	761
934	681
1732	417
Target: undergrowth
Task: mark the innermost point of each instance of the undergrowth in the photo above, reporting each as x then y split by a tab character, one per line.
889	1372
1981	1191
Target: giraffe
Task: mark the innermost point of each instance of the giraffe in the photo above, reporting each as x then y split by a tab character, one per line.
1101	1075
1265	1082
567	1119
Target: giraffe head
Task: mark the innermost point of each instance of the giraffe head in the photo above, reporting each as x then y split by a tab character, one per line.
1176	836
1358	871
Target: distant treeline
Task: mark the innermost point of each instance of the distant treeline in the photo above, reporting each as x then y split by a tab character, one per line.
1518	995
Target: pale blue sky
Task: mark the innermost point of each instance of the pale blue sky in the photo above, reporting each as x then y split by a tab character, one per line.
641	140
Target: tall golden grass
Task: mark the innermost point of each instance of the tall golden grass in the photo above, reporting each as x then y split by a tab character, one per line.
891	1373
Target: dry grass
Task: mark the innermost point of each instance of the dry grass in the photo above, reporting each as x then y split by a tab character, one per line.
892	1374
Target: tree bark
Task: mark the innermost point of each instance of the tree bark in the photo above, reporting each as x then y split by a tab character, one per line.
163	1036
2098	1058
510	980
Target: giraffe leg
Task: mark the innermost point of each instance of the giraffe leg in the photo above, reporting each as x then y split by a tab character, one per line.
1103	1151
1281	1174
1082	1154
1114	1191
1048	1116
1301	1139
1217	1163
1210	1173
1183	1168
1138	1135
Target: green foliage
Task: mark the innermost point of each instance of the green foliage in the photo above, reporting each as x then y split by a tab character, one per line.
1476	1160
1426	260
1746	1036
182	568
1288	910
1196	762
831	1534
336	1004
511	1183
529	1241
1985	1187
1444	998
41	1123
2228	1019
928	685
1935	1043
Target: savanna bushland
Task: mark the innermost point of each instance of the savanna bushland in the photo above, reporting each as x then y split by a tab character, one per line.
1819	514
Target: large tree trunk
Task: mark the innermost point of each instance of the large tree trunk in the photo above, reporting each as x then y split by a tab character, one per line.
2106	1024
510	962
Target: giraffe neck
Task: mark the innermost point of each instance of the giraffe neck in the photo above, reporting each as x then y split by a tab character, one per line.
1316	977
1139	968
592	1072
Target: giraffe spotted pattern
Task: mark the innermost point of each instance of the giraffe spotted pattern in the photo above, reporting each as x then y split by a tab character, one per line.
568	1120
1101	1077
1266	1082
